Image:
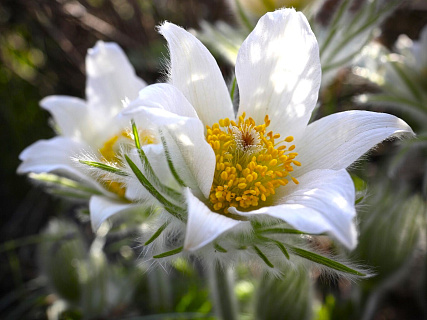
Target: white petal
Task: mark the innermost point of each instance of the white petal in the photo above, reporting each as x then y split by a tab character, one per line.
192	156
278	72
69	113
110	79
336	141
102	208
203	225
54	155
322	202
194	71
162	96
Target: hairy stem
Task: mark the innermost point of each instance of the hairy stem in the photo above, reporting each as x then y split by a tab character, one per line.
222	291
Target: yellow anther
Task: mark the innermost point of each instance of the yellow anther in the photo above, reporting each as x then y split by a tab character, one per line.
273	162
295	180
242	186
249	164
224	175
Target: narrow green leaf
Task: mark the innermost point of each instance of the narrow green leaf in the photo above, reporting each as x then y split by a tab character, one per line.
169	160
263	257
406	80
243	16
333	25
135	134
149	169
169	253
53	179
105	167
279	230
219	248
233	88
156	234
325	261
278	244
176	211
282	248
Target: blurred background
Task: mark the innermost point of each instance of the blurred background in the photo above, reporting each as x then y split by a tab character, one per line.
43	44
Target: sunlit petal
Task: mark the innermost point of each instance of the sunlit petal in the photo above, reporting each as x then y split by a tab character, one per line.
336	141
110	79
323	201
194	71
69	113
203	225
278	72
102	208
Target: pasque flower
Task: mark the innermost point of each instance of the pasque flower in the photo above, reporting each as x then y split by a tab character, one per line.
266	164
89	126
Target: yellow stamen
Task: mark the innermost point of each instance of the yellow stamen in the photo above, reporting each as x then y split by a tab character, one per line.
250	165
109	153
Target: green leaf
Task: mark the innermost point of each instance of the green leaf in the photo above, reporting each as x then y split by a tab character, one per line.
233	88
169	253
263	257
176	211
219	248
281	247
104	167
278	244
325	261
149	169
53	179
243	16
156	234
169	160
280	230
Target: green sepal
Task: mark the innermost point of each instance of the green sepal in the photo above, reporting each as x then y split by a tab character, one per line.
325	261
169	253
104	167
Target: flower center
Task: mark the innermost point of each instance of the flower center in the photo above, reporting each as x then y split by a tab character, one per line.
111	149
251	163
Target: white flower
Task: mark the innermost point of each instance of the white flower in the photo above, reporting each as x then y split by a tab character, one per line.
241	180
304	183
89	126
